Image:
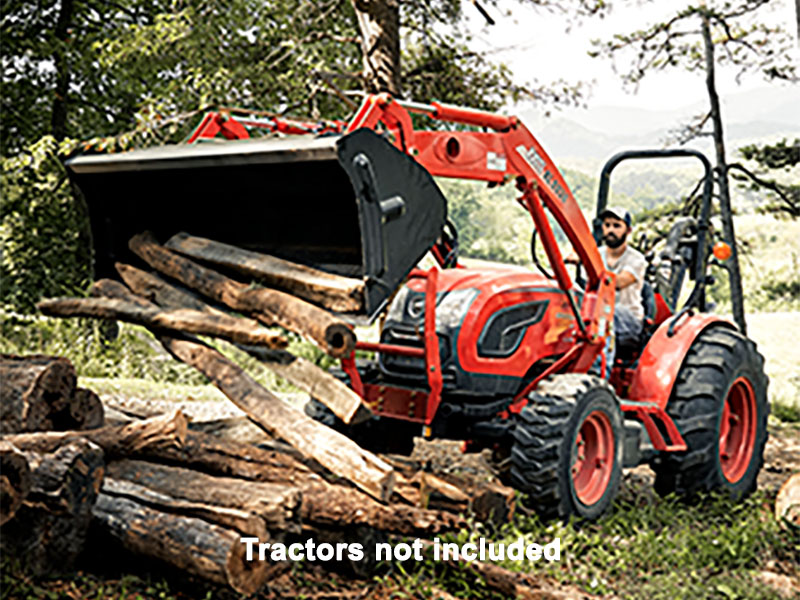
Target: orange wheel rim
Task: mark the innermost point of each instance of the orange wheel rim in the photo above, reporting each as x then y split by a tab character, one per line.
593	458
737	430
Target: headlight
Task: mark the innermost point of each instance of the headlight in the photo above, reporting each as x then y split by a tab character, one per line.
453	306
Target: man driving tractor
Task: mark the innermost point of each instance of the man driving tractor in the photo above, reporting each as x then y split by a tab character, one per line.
629	265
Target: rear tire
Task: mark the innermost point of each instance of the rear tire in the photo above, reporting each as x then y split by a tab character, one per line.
719	404
567	450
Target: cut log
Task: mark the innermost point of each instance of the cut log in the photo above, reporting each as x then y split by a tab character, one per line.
243	521
324	504
86	409
129	440
182	321
344	402
35	392
487	501
319	384
49	530
270	306
334	292
15	480
216	456
334	451
157	290
277	505
190	544
339	454
239	429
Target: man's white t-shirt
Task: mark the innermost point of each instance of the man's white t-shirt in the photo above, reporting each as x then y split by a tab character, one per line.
632	261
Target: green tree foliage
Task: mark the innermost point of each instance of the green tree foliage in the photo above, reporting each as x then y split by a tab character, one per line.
131	73
702	37
776	171
40	229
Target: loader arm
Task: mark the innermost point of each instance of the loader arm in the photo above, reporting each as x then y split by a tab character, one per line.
509	152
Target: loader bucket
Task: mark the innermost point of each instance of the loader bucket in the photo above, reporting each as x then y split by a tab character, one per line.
348	204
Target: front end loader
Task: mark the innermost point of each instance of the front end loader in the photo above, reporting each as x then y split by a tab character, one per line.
502	357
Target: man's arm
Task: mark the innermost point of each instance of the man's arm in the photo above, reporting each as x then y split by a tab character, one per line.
625	279
632	271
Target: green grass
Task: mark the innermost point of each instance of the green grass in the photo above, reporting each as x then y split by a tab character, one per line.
132	355
644	548
17	585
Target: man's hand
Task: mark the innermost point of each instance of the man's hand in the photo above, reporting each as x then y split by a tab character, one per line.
572	258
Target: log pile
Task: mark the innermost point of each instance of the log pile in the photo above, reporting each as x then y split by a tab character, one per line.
184	495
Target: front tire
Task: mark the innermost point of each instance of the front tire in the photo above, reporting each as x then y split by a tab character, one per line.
567	450
719	404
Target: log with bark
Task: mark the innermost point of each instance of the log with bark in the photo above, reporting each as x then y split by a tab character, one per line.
487	500
276	505
334	451
194	545
334	292
154	288
15	480
48	531
268	306
35	393
86	409
303	374
182	320
240	429
324	504
131	439
331	449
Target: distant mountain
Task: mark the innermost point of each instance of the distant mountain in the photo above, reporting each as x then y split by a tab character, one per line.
585	139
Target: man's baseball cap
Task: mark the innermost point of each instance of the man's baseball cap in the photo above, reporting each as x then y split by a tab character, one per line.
618	213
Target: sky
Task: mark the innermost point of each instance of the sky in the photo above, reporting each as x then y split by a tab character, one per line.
535	43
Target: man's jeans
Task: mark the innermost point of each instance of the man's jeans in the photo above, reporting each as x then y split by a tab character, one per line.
627	329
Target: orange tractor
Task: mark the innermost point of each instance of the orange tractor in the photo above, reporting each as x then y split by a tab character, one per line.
497	357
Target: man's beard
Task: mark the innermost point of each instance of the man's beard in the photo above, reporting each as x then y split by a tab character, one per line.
613	241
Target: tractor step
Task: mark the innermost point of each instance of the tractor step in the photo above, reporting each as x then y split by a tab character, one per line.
637	447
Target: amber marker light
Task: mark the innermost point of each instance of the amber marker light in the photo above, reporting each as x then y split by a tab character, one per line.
722	251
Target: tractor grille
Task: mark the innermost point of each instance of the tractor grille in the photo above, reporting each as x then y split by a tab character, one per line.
408	367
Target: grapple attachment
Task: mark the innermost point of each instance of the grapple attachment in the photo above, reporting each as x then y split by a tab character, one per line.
350	204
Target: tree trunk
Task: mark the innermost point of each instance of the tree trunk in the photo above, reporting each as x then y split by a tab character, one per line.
270	306
58	120
333	292
35	392
129	440
49	530
379	24
190	544
344	402
278	506
797	18
182	321
15	480
737	297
